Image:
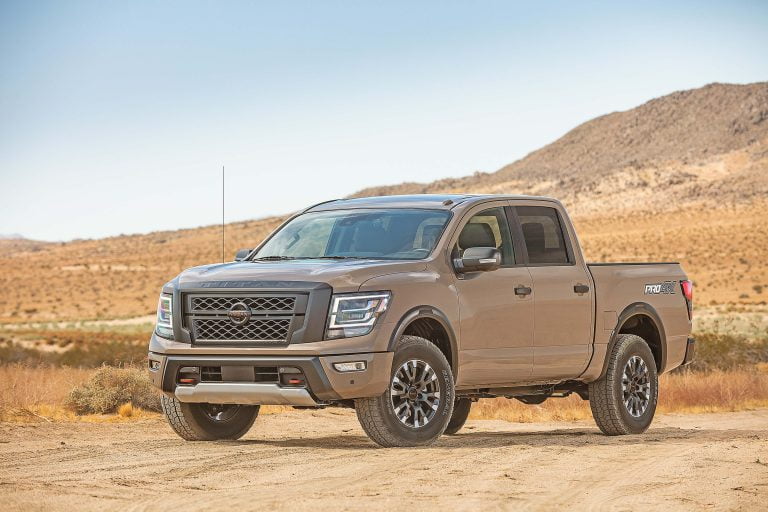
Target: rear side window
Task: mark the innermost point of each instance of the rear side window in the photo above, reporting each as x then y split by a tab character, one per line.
488	228
543	235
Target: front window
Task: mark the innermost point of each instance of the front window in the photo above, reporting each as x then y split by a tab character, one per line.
488	228
396	234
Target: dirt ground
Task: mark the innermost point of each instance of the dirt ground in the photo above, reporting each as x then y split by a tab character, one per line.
322	461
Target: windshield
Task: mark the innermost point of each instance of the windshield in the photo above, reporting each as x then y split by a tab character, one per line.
396	234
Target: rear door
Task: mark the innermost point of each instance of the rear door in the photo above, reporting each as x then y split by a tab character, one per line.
562	291
496	324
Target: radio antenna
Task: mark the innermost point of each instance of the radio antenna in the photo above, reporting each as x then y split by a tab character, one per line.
222	214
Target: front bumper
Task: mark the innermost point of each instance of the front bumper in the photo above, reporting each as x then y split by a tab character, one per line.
323	382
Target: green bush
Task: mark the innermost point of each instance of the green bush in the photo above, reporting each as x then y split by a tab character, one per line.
111	387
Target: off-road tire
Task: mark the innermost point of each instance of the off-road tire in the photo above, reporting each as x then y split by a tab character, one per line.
606	394
190	422
377	415
459	417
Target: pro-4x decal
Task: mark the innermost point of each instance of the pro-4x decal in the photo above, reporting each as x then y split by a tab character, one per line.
667	287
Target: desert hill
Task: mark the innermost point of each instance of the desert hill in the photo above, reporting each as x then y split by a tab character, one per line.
682	177
702	145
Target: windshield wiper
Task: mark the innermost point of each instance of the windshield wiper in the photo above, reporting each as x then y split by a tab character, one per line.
339	258
274	258
284	258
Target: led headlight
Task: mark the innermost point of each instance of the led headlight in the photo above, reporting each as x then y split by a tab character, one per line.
164	326
354	314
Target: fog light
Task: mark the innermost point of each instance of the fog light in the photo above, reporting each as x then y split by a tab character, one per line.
292	377
352	366
154	365
189	375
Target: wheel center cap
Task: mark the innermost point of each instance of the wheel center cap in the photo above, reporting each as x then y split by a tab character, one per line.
413	393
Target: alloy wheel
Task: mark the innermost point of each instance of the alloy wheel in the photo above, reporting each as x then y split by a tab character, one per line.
415	393
636	386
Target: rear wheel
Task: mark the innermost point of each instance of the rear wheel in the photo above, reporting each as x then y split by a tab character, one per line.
624	400
208	422
416	408
460	414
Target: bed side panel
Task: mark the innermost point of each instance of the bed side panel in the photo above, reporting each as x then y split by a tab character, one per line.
658	285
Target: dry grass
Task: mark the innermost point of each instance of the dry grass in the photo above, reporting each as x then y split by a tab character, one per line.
31	386
40	394
718	391
125	410
59	413
686	392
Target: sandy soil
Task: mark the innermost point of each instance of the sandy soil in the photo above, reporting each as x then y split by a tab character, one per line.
321	460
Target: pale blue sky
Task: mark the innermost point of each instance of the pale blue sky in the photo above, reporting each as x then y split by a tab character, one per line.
115	117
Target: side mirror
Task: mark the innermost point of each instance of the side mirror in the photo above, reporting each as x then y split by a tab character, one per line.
241	254
479	259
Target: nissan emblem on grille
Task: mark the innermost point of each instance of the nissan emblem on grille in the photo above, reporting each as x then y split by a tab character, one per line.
239	314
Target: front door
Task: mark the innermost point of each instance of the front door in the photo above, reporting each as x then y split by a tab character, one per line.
562	295
496	340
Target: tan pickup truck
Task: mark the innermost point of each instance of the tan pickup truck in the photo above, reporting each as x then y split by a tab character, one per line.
408	309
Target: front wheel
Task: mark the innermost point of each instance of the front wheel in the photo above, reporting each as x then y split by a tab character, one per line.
417	406
208	422
624	400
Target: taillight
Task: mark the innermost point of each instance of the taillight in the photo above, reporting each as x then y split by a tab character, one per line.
687	287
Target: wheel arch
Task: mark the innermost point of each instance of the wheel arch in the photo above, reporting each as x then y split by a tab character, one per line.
641	319
432	324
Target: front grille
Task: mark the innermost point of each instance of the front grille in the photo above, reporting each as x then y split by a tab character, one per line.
274	317
276	303
222	329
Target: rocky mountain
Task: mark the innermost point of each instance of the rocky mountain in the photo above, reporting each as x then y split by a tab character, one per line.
701	145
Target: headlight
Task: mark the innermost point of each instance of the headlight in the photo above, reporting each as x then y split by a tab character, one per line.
164	326
355	314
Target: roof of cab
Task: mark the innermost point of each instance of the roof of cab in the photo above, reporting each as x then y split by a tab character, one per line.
430	201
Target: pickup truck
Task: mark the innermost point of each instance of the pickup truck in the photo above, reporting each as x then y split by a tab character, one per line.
410	308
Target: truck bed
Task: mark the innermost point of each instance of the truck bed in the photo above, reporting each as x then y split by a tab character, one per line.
653	288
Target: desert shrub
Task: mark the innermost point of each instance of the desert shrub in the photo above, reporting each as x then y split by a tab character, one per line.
723	351
109	388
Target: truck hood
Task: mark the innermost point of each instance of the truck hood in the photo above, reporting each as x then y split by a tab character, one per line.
342	276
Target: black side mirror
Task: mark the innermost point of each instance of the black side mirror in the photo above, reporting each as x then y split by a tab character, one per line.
242	254
479	259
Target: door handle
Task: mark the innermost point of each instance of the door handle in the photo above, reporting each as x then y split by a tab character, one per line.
523	290
581	288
